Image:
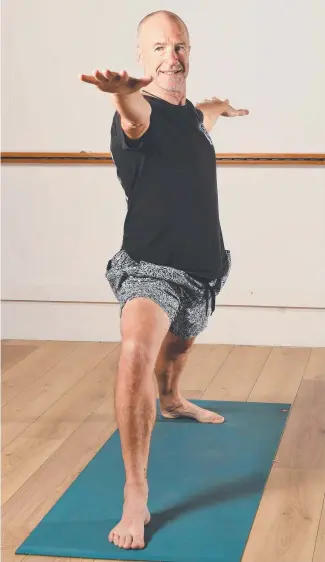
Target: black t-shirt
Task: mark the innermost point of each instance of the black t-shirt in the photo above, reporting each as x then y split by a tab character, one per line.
169	179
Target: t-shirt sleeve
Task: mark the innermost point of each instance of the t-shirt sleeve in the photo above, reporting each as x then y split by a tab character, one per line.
199	114
125	142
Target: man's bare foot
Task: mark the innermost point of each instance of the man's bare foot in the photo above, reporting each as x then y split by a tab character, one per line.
181	407
129	532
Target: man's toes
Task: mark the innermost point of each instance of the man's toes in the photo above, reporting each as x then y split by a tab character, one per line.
128	541
110	536
121	541
116	539
137	542
218	419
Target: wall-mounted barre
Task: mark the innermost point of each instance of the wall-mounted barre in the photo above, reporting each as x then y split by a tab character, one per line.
225	159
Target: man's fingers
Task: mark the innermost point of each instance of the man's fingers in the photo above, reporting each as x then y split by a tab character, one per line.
239	112
116	76
113	76
100	76
104	75
109	81
231	112
107	74
124	75
145	80
88	79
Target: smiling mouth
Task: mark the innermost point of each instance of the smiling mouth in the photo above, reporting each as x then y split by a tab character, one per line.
171	72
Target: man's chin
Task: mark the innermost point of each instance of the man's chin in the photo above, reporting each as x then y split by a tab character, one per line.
172	83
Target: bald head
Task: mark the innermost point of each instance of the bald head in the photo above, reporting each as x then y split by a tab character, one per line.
163	49
160	15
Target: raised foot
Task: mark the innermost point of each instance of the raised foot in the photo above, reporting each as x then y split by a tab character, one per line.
184	408
129	532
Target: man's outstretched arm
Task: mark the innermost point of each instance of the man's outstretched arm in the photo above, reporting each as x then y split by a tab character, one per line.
212	109
133	108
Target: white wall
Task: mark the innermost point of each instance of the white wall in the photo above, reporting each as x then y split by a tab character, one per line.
60	224
267	56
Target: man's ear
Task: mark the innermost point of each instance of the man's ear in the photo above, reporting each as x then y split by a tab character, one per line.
138	54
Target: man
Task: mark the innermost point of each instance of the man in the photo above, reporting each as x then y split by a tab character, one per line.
172	262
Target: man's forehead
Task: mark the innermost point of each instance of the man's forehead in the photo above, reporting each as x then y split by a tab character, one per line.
160	29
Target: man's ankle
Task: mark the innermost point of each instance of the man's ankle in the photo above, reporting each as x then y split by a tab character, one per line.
136	483
135	489
172	397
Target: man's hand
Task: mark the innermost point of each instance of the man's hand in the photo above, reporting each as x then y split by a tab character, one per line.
212	109
119	83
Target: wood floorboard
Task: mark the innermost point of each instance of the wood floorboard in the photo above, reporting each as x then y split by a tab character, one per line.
58	410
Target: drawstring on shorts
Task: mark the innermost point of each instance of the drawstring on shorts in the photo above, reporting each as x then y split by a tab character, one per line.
208	290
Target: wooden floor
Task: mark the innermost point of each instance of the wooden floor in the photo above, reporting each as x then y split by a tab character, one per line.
57	411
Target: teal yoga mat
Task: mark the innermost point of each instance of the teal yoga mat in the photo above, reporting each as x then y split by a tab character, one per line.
206	482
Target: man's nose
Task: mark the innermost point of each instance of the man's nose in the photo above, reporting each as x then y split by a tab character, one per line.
172	54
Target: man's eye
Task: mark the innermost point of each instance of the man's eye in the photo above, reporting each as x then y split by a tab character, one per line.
158	48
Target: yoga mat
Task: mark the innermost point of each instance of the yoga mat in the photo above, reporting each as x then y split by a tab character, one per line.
206	482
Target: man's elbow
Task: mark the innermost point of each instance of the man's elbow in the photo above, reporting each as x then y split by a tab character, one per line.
135	130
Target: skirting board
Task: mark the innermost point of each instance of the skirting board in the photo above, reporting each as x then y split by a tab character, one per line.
100	322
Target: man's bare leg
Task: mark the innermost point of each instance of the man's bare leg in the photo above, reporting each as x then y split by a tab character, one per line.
143	327
169	367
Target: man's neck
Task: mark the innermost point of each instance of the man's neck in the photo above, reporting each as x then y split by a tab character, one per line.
173	97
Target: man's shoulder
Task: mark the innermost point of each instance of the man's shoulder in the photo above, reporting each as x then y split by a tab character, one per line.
195	110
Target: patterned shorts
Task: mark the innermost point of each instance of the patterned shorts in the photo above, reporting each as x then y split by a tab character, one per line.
187	301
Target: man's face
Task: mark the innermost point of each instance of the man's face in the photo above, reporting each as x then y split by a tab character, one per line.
164	52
